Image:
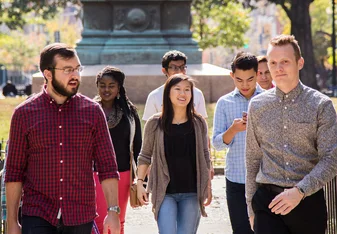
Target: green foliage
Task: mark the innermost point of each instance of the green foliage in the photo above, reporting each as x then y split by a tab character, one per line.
69	33
321	29
17	50
13	12
219	23
320	12
20	50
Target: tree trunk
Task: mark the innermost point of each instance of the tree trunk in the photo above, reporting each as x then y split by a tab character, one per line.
301	28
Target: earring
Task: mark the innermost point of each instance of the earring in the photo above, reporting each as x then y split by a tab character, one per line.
118	96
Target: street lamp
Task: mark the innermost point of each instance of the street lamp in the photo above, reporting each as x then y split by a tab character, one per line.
333	41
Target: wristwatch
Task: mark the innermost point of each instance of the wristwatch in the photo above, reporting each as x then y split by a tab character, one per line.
300	190
115	209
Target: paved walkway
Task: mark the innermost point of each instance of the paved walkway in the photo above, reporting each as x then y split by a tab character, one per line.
141	221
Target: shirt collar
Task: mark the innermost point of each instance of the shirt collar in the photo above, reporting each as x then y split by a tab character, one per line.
48	98
257	91
293	94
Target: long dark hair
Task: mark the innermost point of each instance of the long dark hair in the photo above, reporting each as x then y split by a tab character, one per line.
129	110
167	109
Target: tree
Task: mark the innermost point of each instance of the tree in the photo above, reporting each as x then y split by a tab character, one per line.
13	12
298	13
219	23
18	51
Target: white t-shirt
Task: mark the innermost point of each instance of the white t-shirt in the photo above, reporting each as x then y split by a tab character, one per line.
154	102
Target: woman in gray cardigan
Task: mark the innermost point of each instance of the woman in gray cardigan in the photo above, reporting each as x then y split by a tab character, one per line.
175	144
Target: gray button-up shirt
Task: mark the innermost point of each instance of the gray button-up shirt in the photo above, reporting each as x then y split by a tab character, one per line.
291	140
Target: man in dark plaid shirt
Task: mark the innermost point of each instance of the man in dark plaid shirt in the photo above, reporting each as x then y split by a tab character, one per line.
54	138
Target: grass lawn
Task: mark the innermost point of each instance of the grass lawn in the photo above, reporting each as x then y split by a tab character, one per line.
7	106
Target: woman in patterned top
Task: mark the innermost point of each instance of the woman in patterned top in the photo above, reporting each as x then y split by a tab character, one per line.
125	130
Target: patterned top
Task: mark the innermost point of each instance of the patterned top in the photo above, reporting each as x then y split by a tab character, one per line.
291	140
52	149
228	108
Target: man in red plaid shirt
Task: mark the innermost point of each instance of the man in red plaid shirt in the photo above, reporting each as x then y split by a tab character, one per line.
55	137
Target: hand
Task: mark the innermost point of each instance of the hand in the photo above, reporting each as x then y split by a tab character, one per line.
239	125
111	224
141	194
14	228
251	221
285	201
208	200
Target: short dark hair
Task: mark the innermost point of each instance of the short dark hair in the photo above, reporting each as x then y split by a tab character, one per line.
262	59
244	61
167	108
172	55
49	52
282	40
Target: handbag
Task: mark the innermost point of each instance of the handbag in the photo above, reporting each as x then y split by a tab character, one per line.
134	202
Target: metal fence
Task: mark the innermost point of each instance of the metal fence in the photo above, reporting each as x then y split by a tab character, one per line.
2	160
330	191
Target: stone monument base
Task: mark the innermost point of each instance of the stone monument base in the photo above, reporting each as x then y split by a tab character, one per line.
141	79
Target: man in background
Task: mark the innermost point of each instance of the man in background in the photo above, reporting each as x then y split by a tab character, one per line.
263	74
173	62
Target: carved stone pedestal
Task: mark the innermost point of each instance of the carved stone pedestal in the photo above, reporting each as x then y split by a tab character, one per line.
135	32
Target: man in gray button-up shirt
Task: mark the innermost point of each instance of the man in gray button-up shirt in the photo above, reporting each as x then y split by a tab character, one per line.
291	148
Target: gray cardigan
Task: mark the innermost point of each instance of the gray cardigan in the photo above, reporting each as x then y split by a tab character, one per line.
153	153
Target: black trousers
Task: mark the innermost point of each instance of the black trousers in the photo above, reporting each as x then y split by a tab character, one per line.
309	217
38	225
237	208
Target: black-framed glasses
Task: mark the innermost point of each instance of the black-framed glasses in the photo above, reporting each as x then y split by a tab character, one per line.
69	70
178	68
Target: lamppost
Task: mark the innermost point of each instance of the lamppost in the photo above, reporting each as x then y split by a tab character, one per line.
333	41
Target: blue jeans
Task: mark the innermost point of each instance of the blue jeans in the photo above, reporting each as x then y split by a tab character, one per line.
179	214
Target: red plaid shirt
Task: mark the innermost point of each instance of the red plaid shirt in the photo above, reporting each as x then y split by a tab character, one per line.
51	151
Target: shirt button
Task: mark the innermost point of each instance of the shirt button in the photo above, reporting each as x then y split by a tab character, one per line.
61	161
287	163
60	110
280	100
61	198
51	102
285	107
286	96
285	146
287	178
60	126
285	127
61	143
293	100
61	179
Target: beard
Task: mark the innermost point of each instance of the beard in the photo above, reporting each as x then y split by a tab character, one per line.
60	89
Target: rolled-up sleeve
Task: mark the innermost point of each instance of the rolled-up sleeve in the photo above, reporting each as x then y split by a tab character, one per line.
219	126
17	149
